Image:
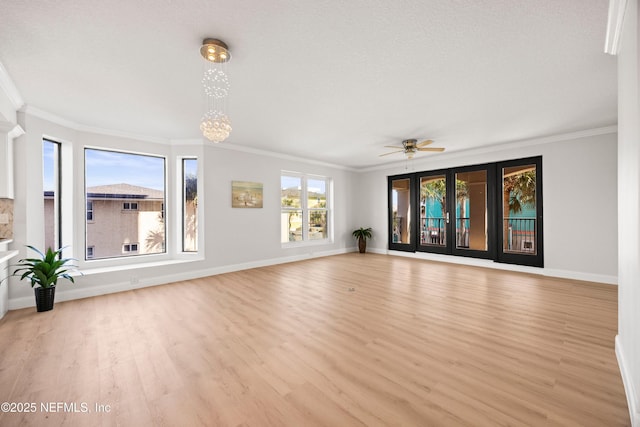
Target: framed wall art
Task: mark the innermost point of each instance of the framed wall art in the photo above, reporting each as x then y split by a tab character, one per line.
246	194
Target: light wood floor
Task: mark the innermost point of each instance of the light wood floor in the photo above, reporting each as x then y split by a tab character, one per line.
414	343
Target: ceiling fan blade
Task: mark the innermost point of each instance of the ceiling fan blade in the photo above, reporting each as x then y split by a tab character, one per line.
391	152
431	149
423	143
394	146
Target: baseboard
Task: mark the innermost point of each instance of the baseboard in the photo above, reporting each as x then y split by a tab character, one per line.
627	381
585	277
78	292
477	262
86	292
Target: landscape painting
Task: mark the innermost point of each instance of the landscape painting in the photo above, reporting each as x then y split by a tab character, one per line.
245	194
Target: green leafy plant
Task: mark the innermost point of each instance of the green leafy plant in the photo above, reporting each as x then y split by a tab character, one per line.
46	270
362	233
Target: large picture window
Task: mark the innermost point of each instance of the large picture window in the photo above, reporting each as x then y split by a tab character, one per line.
305	210
125	196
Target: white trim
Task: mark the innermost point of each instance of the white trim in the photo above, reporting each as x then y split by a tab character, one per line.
627	381
260	152
16	132
36	112
578	275
11	129
186	142
477	262
615	22
7	85
77	291
505	146
55	119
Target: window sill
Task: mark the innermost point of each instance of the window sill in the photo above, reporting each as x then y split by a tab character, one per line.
110	269
300	244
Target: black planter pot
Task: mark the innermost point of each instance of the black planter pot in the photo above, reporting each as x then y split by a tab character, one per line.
44	298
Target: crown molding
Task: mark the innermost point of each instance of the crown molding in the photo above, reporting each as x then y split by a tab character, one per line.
16	132
506	146
277	155
7	85
11	129
36	112
53	118
615	21
50	117
187	141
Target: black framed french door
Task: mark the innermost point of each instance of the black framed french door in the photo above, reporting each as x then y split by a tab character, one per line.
472	192
519	208
491	211
433	194
402	214
456	215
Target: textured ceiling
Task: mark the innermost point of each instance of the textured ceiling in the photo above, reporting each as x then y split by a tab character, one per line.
331	80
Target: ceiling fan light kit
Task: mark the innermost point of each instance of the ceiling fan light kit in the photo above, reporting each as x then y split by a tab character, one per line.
215	124
411	146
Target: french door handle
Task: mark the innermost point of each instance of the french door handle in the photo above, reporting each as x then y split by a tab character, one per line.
447	217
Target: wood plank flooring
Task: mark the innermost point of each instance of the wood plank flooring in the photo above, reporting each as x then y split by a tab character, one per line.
348	340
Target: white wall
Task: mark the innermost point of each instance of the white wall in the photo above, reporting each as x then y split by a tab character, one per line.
580	202
231	238
628	339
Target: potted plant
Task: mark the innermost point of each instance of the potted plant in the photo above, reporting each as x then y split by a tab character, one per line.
44	272
362	234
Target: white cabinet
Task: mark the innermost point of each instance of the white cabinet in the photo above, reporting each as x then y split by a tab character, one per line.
5	256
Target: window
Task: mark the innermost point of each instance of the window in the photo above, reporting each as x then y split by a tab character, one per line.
190	205
89	211
317	208
51	187
130	247
305	207
114	217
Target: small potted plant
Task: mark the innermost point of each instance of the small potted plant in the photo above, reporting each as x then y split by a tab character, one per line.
362	234
44	272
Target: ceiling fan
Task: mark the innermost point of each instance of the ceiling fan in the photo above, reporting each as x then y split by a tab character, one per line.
411	146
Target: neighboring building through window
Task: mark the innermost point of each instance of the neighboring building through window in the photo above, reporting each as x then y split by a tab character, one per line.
51	187
89	211
89	252
305	210
190	205
114	217
130	247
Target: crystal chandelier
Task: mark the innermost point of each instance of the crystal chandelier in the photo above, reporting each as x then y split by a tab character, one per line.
215	124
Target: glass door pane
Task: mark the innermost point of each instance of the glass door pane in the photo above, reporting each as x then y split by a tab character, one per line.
471	210
519	228
401	211
433	211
